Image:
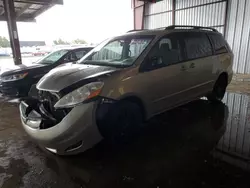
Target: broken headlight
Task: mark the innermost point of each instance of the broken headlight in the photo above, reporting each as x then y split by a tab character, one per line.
79	95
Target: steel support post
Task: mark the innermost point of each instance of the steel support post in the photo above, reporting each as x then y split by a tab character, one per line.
10	15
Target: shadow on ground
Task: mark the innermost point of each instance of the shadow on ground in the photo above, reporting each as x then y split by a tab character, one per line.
185	147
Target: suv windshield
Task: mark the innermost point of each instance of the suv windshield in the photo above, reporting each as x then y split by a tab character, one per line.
52	57
121	52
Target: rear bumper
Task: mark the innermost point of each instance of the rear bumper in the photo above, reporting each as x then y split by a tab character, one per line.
76	132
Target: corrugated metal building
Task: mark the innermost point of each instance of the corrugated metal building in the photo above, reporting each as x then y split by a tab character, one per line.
234	146
230	17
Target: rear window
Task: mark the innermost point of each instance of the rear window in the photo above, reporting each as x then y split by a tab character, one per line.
197	45
219	43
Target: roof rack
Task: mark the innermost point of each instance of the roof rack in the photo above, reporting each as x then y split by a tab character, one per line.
136	30
191	26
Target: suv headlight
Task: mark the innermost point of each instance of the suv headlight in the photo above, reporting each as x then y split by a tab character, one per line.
79	95
14	77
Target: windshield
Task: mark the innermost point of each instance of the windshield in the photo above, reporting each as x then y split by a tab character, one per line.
52	57
120	52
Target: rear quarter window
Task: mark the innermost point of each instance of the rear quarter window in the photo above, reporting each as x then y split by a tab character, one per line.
219	43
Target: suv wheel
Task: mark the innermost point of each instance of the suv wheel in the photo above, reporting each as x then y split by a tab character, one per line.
219	90
121	122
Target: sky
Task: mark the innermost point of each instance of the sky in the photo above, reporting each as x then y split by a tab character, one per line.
90	20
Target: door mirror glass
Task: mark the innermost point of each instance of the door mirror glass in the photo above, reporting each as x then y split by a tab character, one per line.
150	63
65	60
154	61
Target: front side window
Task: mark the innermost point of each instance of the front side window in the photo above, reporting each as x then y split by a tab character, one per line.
52	57
70	57
75	55
166	51
197	45
81	53
120	52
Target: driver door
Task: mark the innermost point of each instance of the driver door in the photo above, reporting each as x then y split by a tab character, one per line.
163	74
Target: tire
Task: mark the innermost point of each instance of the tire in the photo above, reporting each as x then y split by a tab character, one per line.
219	90
122	122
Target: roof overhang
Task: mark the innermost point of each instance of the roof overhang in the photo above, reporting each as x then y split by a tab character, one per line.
28	10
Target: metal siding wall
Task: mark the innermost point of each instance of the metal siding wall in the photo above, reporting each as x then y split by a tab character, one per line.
155	8
203	15
189	3
156	14
157	21
209	15
138	7
238	29
237	137
225	140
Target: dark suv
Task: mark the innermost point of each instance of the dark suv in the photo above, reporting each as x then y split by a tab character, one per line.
17	82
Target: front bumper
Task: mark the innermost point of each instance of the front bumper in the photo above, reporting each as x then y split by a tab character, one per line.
15	88
76	132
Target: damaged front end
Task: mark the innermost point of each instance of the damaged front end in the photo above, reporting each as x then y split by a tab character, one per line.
38	111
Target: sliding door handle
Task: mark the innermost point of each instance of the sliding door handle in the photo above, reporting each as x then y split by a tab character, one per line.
183	68
192	65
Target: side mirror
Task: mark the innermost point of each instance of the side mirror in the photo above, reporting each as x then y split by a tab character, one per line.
153	61
149	64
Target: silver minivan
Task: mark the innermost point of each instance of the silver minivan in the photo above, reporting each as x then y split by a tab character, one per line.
123	82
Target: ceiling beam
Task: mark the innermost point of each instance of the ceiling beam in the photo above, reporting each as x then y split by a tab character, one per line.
41	10
22	10
41	2
20	19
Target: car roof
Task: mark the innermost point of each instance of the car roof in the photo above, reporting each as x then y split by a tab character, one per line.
73	48
170	29
145	32
80	47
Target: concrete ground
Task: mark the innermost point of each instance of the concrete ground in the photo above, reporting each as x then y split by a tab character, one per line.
196	145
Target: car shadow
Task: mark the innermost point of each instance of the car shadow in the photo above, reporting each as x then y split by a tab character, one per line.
171	150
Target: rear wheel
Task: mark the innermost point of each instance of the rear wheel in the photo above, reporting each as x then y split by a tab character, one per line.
122	121
219	90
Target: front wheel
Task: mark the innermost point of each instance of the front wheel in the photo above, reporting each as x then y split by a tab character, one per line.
122	121
219	90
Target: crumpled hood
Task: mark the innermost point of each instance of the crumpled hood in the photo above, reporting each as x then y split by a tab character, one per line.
66	75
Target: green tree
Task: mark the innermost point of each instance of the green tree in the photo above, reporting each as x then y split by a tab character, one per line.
79	41
4	42
60	41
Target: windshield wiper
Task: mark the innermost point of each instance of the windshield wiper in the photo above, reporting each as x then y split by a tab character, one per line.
106	64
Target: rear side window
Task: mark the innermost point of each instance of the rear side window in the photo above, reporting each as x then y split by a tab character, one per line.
218	43
197	45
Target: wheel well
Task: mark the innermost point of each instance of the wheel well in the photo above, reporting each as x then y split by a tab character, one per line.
137	101
224	76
